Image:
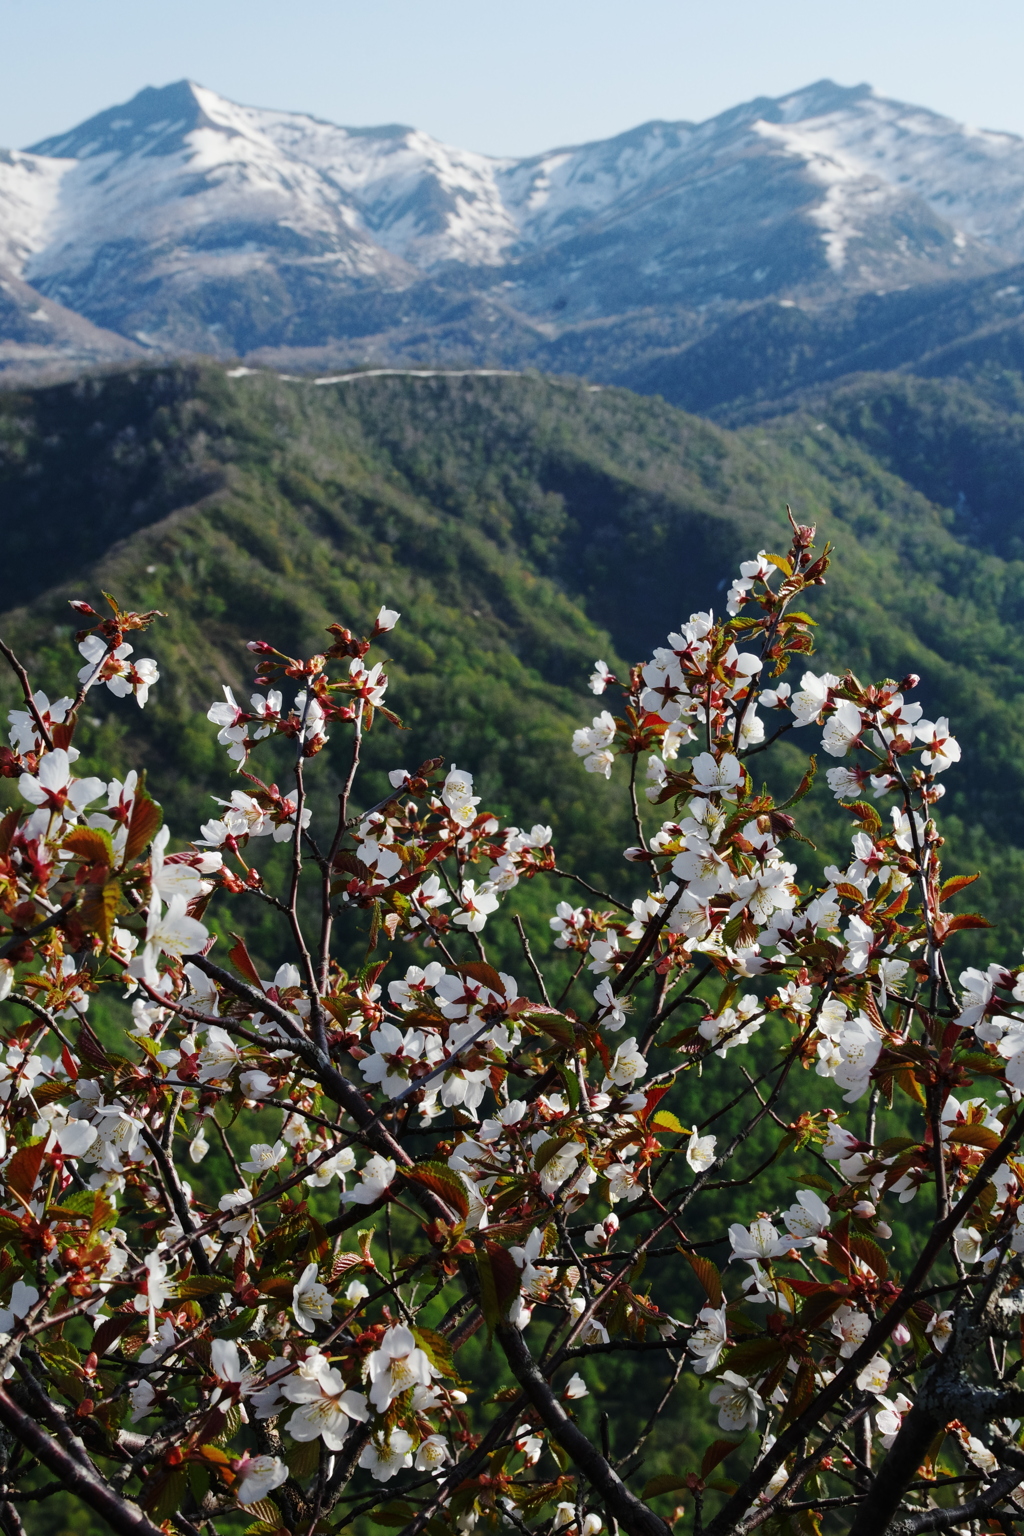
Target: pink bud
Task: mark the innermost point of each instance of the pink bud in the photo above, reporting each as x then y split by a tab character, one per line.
901	1334
864	1210
883	1229
260	647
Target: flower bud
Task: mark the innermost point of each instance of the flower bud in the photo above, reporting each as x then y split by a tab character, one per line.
864	1210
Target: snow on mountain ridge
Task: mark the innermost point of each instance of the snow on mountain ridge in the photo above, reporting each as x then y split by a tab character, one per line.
972	177
29	196
204	222
430	204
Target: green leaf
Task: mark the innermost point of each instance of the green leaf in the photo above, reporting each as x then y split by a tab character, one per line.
167	1494
265	1512
396	1513
203	1285
198	1480
437	1350
303	1458
783	564
238	1325
572	1086
547	1150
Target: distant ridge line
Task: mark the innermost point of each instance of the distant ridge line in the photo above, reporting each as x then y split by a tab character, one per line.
378	373
401	373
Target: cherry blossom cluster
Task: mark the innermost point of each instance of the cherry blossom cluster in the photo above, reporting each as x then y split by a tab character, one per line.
253	1210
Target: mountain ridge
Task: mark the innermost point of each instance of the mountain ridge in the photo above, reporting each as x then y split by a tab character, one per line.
189	223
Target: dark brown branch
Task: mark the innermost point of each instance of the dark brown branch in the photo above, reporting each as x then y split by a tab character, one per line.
531	962
49	921
764	745
78	1477
26	690
564	874
632	1513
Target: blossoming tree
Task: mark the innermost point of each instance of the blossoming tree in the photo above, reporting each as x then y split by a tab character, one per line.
449	1150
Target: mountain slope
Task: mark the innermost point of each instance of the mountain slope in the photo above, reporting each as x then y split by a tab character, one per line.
523	527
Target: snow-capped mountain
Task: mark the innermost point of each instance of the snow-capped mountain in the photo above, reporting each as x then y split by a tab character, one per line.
182	220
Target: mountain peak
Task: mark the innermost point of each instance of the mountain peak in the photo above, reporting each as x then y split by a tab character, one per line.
820	99
153	123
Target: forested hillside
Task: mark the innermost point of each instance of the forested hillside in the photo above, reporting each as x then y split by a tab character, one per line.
523	526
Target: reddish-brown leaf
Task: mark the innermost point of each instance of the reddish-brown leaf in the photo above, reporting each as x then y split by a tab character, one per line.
441	1179
801	1393
145	823
22	1170
486	975
506	1274
112	1328
99	905
957	883
90	1050
866	1249
975	1136
716	1452
967	920
242	962
708	1275
90	844
7	828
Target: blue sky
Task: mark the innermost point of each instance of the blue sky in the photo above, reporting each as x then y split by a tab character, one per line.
505	78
